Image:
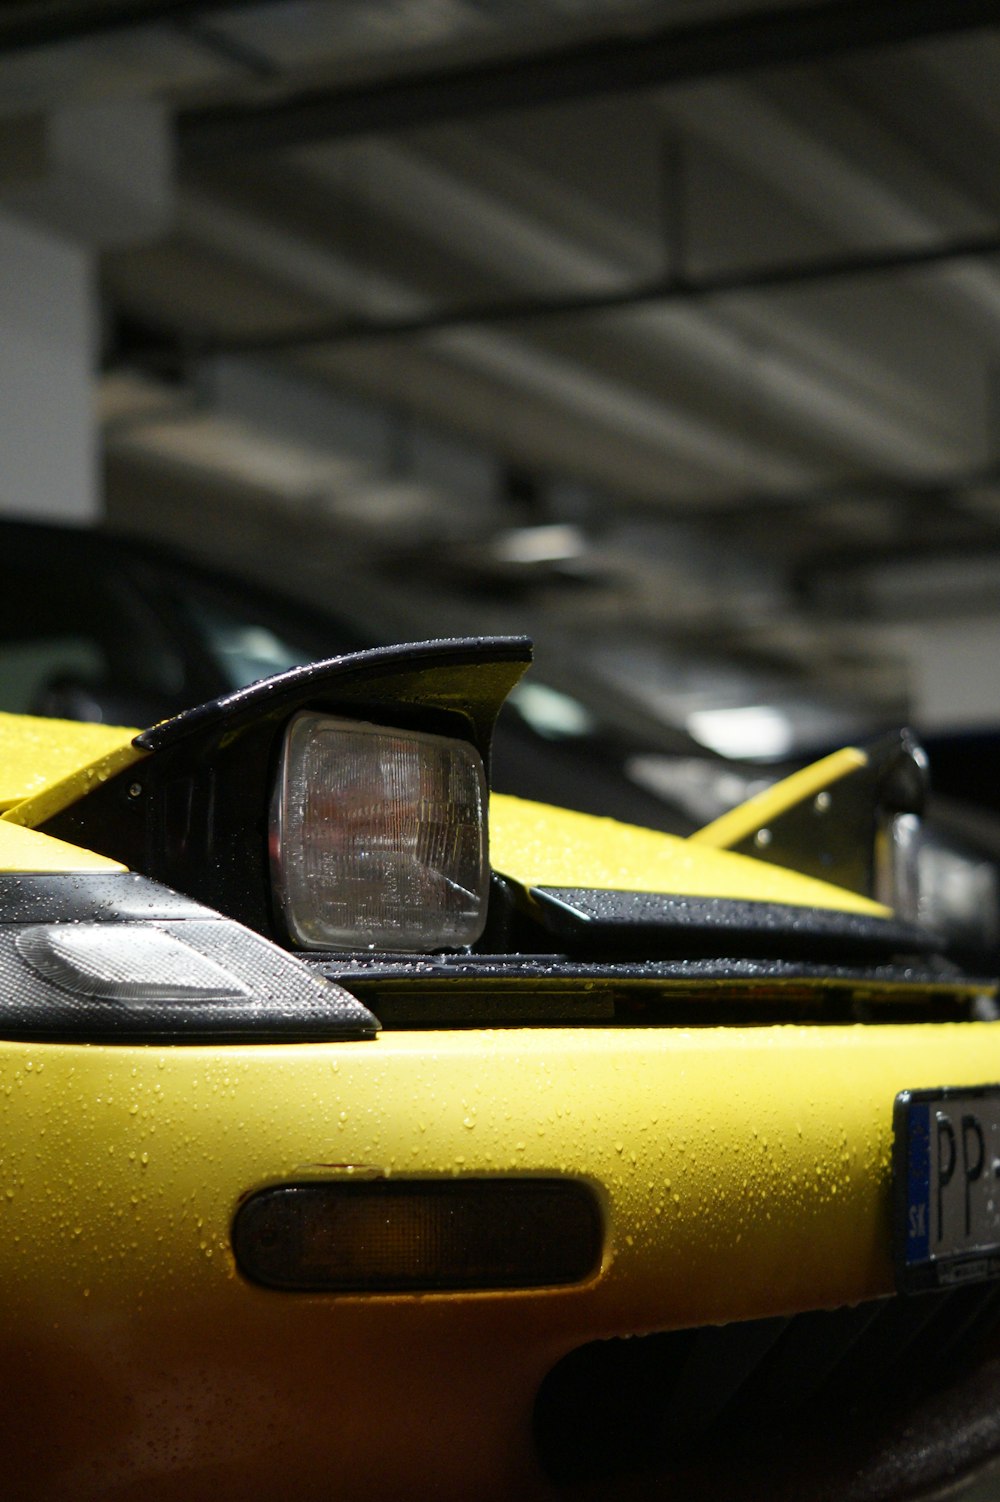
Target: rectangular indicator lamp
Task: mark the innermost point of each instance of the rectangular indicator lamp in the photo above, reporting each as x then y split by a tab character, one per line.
419	1235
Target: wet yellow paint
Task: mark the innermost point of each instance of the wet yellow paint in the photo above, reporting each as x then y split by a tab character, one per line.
543	846
28	850
45	765
742	1173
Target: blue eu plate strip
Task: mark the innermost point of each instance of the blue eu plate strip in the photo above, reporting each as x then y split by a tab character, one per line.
918	1185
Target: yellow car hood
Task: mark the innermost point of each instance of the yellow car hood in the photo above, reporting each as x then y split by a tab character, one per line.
37	754
542	846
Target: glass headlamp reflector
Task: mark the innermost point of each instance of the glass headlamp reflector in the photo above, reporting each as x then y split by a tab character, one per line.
378	837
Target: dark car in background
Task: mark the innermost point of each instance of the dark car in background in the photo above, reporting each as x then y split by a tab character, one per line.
111	629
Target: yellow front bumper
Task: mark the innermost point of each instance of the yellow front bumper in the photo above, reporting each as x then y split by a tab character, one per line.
743	1172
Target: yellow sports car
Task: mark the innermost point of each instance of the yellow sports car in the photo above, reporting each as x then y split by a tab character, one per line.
365	1137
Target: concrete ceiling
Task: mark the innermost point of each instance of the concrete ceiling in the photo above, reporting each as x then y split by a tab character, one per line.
672	322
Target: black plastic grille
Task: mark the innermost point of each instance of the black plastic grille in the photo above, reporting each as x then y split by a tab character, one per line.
743	1391
480	990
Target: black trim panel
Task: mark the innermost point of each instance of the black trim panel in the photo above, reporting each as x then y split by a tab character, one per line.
702	925
408	991
468	678
115	897
555	970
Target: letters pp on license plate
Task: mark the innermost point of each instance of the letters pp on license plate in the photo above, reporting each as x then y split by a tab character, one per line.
946	1186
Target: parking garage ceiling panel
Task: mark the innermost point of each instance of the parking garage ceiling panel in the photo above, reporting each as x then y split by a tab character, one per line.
717	267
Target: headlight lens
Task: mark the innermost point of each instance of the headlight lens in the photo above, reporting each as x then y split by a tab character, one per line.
378	837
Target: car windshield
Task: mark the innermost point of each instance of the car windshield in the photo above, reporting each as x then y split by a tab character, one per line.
244	648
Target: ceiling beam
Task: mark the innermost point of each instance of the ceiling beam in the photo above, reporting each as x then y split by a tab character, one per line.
606	65
673	288
30	25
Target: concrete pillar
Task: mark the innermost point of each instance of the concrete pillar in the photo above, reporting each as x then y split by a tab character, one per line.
84	178
48	433
952	667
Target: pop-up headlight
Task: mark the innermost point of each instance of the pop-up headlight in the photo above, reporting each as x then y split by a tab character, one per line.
378	837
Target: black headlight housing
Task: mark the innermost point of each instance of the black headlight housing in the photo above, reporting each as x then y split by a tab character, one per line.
196	813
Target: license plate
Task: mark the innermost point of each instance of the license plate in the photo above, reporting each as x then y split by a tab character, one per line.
946	1186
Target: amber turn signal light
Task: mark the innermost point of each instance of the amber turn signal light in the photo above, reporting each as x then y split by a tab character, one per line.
419	1235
